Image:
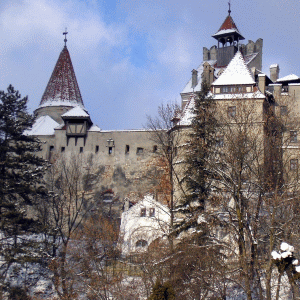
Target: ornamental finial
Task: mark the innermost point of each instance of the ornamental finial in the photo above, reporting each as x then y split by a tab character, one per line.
229	11
65	34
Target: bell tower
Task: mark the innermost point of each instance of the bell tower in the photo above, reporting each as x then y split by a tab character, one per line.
228	37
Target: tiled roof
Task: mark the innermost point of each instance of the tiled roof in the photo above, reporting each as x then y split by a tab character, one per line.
236	73
62	88
227	27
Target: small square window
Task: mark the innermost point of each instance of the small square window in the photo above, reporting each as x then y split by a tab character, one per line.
139	150
294	164
293	136
81	149
63	149
110	150
283	110
51	148
143	212
152	212
154	148
127	148
231	111
97	149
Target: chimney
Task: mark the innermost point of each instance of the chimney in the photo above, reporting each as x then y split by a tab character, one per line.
194	78
262	82
208	73
274	72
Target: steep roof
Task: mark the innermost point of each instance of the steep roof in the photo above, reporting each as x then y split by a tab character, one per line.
44	125
228	27
62	88
188	113
189	89
236	72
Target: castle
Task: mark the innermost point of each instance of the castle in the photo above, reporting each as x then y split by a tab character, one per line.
128	161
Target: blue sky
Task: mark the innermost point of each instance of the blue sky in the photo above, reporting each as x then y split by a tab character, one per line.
130	56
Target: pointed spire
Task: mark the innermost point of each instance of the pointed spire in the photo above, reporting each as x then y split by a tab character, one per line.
228	27
62	88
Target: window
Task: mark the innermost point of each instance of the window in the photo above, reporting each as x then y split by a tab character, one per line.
139	150
293	136
152	212
233	89
154	148
108	197
80	149
63	149
127	148
231	111
51	150
141	244
283	110
143	212
110	146
96	149
293	164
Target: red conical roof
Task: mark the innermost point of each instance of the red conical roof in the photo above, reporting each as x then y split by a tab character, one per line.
228	27
62	88
228	24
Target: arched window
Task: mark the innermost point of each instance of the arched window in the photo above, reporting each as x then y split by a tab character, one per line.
141	243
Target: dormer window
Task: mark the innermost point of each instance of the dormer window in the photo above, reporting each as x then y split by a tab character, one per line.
76	128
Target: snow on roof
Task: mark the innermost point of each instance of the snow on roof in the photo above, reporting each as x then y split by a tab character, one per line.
44	125
188	113
274	66
226	31
235	73
58	102
95	128
188	88
76	112
62	85
248	58
228	27
288	78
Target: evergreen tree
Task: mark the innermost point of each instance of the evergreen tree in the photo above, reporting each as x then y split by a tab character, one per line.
201	150
21	174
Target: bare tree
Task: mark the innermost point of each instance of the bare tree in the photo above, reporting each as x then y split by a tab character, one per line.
168	140
63	213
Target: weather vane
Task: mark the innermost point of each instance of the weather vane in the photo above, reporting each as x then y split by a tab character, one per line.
65	34
229	11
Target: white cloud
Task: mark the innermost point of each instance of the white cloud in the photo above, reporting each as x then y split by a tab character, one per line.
25	22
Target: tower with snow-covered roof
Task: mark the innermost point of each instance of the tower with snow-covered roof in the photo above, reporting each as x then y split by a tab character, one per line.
62	92
216	59
228	37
